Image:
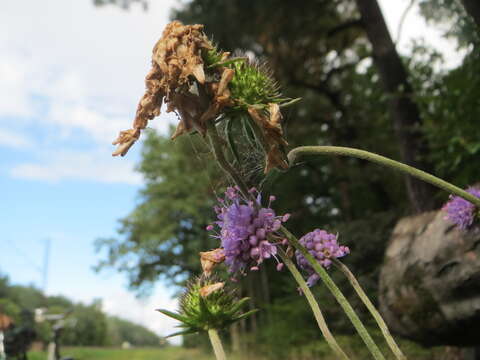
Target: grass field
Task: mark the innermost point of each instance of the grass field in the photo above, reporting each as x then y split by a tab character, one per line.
92	353
317	351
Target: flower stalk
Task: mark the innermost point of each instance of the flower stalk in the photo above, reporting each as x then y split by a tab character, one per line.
295	154
216	344
341	299
216	144
376	315
313	305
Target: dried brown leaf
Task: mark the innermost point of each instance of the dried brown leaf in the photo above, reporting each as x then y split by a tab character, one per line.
209	259
207	290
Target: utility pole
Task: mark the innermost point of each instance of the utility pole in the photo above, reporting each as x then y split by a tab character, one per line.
46	260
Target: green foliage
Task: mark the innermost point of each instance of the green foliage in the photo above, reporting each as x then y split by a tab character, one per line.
315	350
451	13
165	233
89	328
92	353
11	309
85	325
120	330
451	112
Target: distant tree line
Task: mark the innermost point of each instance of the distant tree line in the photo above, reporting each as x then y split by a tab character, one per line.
89	324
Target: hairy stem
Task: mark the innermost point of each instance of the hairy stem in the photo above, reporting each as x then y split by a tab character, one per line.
376	315
341	299
216	144
313	305
300	151
216	344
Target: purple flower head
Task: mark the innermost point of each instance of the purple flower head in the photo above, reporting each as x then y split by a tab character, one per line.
244	227
323	246
460	211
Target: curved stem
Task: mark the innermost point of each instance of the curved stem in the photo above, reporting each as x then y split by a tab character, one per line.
216	144
216	344
313	305
327	280
376	315
298	152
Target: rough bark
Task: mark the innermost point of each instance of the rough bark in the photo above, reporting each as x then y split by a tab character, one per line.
403	110
473	9
430	281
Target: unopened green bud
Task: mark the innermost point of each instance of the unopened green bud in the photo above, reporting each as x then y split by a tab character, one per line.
207	304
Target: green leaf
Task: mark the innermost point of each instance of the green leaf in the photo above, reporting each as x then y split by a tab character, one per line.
203	307
290	102
183	332
245	315
238	306
175	316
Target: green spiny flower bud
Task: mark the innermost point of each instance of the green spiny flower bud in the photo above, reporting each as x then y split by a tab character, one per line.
207	304
203	84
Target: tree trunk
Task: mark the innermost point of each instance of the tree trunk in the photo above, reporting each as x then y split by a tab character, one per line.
235	336
404	112
473	9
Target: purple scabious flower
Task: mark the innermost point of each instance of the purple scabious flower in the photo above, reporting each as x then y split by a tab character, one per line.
323	246
243	229
460	211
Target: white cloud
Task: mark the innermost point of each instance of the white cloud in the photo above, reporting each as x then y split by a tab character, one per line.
142	311
415	27
14	99
72	79
13	140
74	117
90	166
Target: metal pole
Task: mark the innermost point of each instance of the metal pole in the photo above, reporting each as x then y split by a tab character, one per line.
45	265
3	356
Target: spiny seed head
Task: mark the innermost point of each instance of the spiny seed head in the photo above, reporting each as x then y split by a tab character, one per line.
207	304
253	84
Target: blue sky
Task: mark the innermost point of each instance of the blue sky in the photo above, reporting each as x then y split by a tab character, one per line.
70	78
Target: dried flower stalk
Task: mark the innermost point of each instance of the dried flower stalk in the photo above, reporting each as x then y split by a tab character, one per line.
199	83
176	63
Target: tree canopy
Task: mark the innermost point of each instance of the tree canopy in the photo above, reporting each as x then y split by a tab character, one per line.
320	52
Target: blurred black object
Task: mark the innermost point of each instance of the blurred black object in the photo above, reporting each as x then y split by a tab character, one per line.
18	338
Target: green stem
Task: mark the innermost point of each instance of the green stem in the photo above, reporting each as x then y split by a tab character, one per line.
313	305
376	315
300	151
216	144
327	280
216	344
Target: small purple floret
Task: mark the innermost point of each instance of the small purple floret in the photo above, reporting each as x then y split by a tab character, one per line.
323	246
244	227
460	211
